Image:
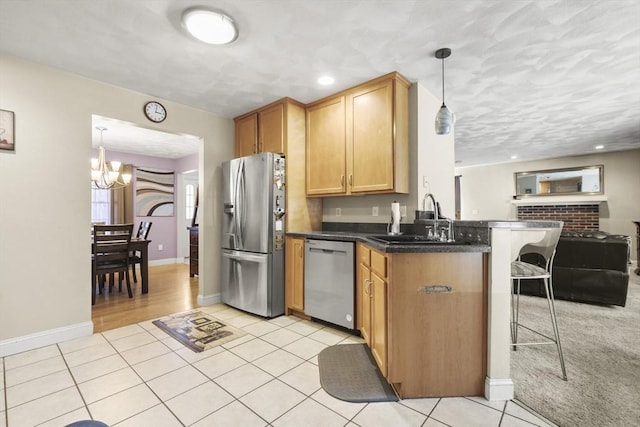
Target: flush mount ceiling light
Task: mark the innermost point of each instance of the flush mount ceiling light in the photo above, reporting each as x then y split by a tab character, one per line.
209	26
444	118
326	80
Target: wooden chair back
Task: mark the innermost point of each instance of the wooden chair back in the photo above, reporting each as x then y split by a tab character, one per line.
143	229
111	247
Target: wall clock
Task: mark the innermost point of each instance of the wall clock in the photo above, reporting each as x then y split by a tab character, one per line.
155	111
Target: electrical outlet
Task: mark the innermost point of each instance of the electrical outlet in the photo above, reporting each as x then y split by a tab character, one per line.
425	182
338	211
160	247
474	212
374	211
403	211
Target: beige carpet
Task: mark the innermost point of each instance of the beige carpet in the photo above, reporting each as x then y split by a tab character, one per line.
601	346
197	330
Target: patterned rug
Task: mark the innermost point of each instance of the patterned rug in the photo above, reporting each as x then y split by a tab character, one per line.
197	330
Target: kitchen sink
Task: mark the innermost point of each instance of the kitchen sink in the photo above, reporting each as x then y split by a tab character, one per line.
408	239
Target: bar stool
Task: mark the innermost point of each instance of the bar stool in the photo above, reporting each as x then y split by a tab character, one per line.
521	270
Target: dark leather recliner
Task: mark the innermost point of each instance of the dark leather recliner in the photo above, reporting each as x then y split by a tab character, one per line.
589	266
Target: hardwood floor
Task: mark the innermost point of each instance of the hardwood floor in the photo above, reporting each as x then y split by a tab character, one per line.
171	290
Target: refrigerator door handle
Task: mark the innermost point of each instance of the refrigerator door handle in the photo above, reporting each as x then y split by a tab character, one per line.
237	255
228	208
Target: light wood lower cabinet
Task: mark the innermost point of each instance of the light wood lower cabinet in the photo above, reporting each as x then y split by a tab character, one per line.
294	274
371	300
424	317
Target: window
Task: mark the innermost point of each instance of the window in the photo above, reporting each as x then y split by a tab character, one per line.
101	206
189	200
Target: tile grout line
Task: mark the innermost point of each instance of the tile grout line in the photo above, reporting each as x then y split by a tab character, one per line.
162	402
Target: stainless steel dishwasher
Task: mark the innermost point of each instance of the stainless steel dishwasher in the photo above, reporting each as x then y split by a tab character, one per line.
329	281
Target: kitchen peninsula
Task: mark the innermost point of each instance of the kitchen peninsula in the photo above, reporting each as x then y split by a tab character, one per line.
436	315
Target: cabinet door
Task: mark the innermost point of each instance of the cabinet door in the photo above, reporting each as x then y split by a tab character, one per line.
326	155
364	302
295	274
271	130
371	140
379	322
247	135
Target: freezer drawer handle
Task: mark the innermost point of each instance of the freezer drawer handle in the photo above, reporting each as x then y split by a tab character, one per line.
326	251
436	289
244	256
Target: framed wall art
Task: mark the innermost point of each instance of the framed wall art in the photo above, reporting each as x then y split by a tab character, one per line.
154	192
7	131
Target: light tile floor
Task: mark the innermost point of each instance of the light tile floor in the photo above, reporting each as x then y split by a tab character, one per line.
139	376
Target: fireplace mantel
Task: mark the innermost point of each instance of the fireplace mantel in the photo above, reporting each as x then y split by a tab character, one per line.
559	200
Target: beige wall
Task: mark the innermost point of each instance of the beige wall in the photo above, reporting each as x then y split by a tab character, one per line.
45	194
487	191
430	156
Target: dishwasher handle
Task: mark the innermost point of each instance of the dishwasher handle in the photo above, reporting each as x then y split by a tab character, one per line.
327	251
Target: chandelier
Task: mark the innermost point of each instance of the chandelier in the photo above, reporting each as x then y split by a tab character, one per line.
105	177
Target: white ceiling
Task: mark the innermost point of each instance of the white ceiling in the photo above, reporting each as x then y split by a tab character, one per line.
532	78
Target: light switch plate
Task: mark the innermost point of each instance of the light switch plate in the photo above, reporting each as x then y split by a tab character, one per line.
338	211
374	211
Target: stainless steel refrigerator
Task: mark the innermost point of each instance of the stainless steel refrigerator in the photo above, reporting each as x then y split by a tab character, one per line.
253	234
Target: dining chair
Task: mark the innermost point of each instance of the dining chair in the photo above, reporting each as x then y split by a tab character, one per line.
520	270
135	257
110	254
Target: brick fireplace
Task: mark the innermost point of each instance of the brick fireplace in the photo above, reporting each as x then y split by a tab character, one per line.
575	217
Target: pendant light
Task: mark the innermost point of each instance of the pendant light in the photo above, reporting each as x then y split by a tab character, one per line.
104	177
444	118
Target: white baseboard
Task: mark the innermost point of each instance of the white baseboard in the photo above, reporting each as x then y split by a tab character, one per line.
45	338
209	299
165	261
498	389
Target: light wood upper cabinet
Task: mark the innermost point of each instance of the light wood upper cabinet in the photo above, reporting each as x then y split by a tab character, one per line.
271	129
262	130
247	135
295	274
326	155
358	140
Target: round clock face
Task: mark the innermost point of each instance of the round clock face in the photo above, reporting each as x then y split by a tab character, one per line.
155	111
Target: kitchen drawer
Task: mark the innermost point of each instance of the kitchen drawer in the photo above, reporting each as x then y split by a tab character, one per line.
364	254
379	264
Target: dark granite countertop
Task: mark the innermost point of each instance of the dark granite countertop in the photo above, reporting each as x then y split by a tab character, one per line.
352	236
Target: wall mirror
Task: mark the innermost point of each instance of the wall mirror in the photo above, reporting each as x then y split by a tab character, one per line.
553	182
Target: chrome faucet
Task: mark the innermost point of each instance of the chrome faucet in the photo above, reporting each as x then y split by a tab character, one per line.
436	233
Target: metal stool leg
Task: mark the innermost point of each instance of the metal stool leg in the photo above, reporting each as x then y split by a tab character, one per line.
548	287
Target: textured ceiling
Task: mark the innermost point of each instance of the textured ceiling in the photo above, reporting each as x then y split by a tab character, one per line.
536	79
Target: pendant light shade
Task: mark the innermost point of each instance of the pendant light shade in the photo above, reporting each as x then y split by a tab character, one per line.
444	118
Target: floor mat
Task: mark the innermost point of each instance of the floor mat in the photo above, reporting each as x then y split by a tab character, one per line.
349	372
197	330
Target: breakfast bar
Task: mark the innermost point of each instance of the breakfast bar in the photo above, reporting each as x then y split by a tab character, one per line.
436	314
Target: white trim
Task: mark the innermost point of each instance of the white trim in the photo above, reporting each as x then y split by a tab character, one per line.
498	389
559	200
165	261
209	299
44	338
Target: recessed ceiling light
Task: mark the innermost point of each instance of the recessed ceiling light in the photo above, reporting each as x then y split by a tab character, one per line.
326	80
514	157
209	26
599	147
